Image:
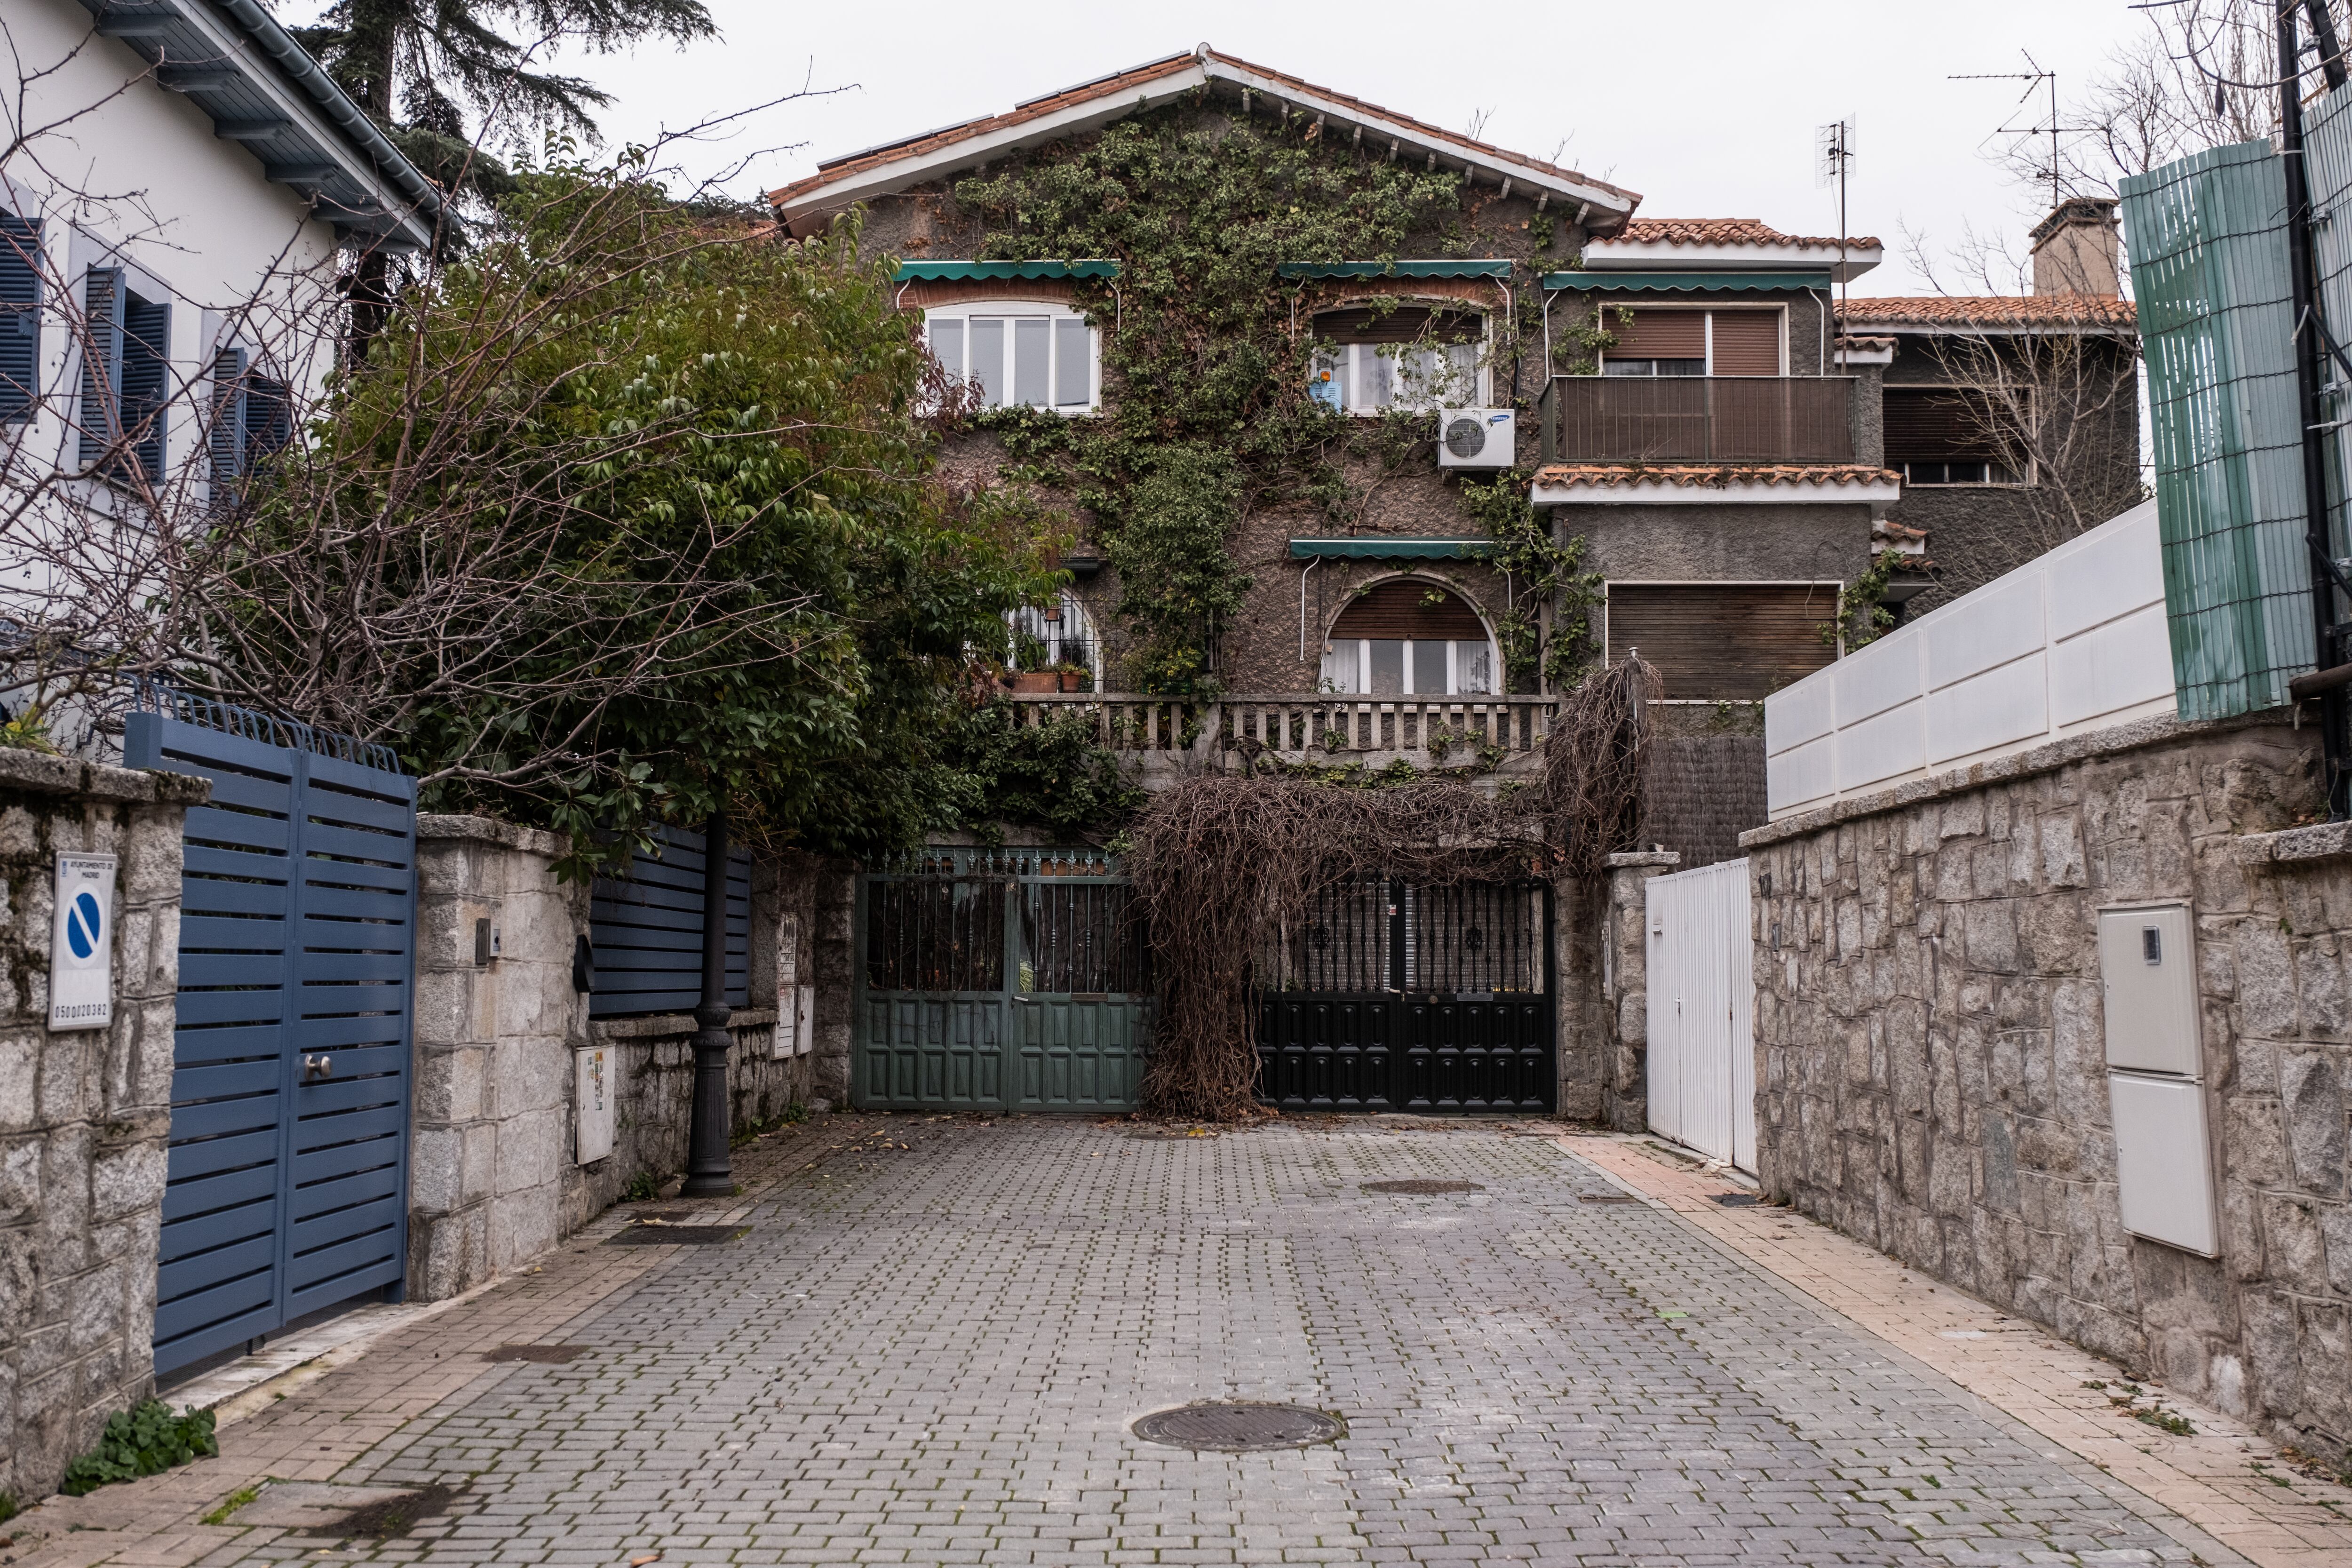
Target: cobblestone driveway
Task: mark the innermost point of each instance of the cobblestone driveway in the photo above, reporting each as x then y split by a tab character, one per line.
932	1356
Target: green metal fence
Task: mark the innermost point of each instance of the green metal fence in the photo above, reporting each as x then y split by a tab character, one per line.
2210	268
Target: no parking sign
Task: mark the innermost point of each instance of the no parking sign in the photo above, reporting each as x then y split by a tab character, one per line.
81	946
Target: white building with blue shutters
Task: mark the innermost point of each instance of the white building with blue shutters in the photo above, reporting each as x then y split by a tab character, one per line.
185	193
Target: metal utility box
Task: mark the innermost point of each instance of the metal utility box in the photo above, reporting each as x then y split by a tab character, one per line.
2163	1167
592	1105
2147	968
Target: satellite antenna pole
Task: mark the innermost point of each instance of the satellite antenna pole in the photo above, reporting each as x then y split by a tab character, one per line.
2033	77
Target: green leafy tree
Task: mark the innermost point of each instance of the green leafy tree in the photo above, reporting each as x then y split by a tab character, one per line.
1176	586
629	515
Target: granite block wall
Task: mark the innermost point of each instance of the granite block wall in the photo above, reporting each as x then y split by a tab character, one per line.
1930	1038
85	1114
494	1180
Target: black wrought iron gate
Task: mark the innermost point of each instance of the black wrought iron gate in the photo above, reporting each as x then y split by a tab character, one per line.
1390	996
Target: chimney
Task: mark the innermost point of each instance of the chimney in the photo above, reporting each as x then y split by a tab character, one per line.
2076	250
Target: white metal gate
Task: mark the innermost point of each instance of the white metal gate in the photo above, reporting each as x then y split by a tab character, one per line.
1702	1011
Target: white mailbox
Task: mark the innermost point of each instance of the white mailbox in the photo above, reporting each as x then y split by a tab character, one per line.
592	1103
2148	969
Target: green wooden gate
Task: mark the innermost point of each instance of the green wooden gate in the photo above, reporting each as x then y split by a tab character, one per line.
1000	979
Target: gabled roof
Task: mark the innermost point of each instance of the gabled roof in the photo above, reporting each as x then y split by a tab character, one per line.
1717	243
840	181
231	59
1950	313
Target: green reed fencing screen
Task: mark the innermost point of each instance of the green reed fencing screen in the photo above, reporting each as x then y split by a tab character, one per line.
2327	143
2209	253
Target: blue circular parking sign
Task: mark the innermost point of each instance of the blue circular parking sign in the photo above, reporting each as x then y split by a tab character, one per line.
85	926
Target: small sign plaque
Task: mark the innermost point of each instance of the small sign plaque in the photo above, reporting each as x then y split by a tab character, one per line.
81	943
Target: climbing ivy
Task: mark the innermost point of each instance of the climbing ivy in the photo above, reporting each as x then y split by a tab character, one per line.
1540	570
1213	418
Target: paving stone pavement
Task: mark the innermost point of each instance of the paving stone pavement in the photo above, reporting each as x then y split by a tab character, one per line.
932	1355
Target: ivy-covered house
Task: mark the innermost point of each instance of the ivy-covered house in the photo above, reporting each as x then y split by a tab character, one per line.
1368	439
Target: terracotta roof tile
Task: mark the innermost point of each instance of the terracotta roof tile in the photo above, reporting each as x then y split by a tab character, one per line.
1711	476
1125	81
1725	231
1993	310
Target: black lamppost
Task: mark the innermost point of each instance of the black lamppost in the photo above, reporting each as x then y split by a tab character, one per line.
710	1173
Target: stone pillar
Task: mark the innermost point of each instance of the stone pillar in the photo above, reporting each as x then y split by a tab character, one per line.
836	904
85	1114
496	1019
1625	984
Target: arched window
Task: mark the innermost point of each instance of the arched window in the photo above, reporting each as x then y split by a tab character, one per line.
1409	637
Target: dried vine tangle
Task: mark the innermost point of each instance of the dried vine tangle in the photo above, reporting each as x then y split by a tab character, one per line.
1221	863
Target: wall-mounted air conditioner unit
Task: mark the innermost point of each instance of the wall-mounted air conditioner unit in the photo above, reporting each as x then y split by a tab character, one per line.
1476	438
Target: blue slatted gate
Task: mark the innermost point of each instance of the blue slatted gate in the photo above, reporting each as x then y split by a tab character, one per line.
288	1183
644	929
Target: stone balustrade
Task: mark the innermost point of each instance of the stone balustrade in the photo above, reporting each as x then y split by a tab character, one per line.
1327	729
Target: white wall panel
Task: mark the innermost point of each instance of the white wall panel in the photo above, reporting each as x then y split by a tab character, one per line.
1886	747
2004	622
2074	640
1864	687
1999	707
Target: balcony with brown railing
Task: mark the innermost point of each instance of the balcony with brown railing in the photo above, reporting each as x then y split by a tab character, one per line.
1697	419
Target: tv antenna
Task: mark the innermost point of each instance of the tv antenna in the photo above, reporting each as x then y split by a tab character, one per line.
1832	157
2035	80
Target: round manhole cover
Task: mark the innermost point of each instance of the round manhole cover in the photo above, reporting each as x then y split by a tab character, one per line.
1424	1187
1239	1427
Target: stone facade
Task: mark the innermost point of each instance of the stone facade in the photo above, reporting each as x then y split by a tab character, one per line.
85	1114
493	1181
1620	1047
1931	1070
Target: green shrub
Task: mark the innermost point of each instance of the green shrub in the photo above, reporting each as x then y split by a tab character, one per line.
145	1440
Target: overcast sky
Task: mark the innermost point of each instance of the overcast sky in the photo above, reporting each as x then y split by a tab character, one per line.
1706	107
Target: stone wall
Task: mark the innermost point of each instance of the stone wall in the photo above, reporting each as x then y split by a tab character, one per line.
493	1181
1930	1038
1622	1042
85	1114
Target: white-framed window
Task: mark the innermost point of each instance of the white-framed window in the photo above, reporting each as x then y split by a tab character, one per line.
1409	667
1410	356
1042	356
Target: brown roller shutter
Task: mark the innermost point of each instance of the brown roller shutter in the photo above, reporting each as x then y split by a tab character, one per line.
1747	342
1660	334
1928	425
1734	641
1397	610
1405	325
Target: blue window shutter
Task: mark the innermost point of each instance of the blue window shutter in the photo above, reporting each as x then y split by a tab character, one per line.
101	362
146	376
268	418
20	317
226	438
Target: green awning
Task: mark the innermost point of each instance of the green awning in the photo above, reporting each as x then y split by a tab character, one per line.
1392	549
935	271
1686	282
1475	267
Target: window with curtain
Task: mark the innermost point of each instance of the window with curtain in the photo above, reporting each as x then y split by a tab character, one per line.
1413	356
1017	355
1409	637
20	317
1687	342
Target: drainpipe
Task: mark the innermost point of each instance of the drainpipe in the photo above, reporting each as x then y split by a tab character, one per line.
709	1171
2304	274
